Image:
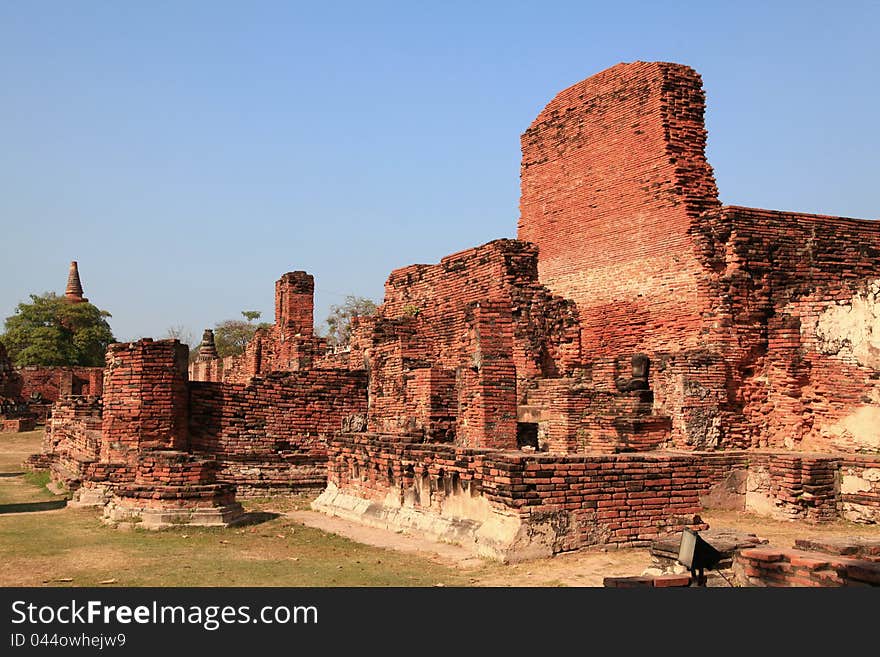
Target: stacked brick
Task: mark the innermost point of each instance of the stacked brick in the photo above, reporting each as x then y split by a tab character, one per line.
271	434
52	383
145	472
625	499
145	398
801	486
860	488
620	200
72	441
767	566
613	175
487	386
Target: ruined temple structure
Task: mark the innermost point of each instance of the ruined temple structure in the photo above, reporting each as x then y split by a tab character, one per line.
27	393
640	352
74	291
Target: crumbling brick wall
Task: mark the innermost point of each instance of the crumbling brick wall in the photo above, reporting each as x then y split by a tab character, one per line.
797	302
860	488
52	383
271	433
762	324
613	175
453	342
623	499
73	438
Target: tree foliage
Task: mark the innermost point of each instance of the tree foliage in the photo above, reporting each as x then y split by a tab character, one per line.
48	331
339	319
232	335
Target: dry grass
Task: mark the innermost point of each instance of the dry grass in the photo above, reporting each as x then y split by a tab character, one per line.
71	547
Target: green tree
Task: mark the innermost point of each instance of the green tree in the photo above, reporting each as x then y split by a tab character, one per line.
232	335
48	331
339	319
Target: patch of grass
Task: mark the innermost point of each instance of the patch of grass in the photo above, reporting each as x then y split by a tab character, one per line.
38	478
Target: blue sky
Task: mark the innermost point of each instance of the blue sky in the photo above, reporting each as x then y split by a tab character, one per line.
189	153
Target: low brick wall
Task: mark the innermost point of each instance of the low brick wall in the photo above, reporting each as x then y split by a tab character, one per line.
269	436
510	505
767	566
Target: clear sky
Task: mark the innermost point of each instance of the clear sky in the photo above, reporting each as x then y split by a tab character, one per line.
189	153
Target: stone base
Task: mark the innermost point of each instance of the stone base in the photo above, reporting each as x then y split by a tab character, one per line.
467	521
90	496
120	510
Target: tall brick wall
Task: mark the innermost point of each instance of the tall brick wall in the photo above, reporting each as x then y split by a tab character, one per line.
545	339
762	324
146	401
613	175
271	433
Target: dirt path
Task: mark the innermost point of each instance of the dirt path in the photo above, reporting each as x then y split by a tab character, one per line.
583	568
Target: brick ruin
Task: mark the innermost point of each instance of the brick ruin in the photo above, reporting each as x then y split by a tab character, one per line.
639	352
28	393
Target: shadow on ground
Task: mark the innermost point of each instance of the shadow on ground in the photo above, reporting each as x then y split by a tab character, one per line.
27	507
256	518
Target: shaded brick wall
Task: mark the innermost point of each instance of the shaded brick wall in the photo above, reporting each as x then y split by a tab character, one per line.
73	438
271	433
55	382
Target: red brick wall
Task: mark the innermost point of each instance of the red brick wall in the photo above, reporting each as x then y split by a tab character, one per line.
271	433
613	175
624	499
452	342
768	566
145	398
54	382
73	438
735	305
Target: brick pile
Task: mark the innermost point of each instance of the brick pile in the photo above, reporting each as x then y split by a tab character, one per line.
72	440
768	566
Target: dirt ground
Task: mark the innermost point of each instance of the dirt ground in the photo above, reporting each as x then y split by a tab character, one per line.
44	543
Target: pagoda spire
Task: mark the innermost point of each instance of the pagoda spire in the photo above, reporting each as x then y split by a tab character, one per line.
74	291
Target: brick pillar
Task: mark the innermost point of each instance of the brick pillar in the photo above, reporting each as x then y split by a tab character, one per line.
487	379
294	304
146	400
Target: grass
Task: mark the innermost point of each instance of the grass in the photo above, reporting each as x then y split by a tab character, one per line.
44	544
71	547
